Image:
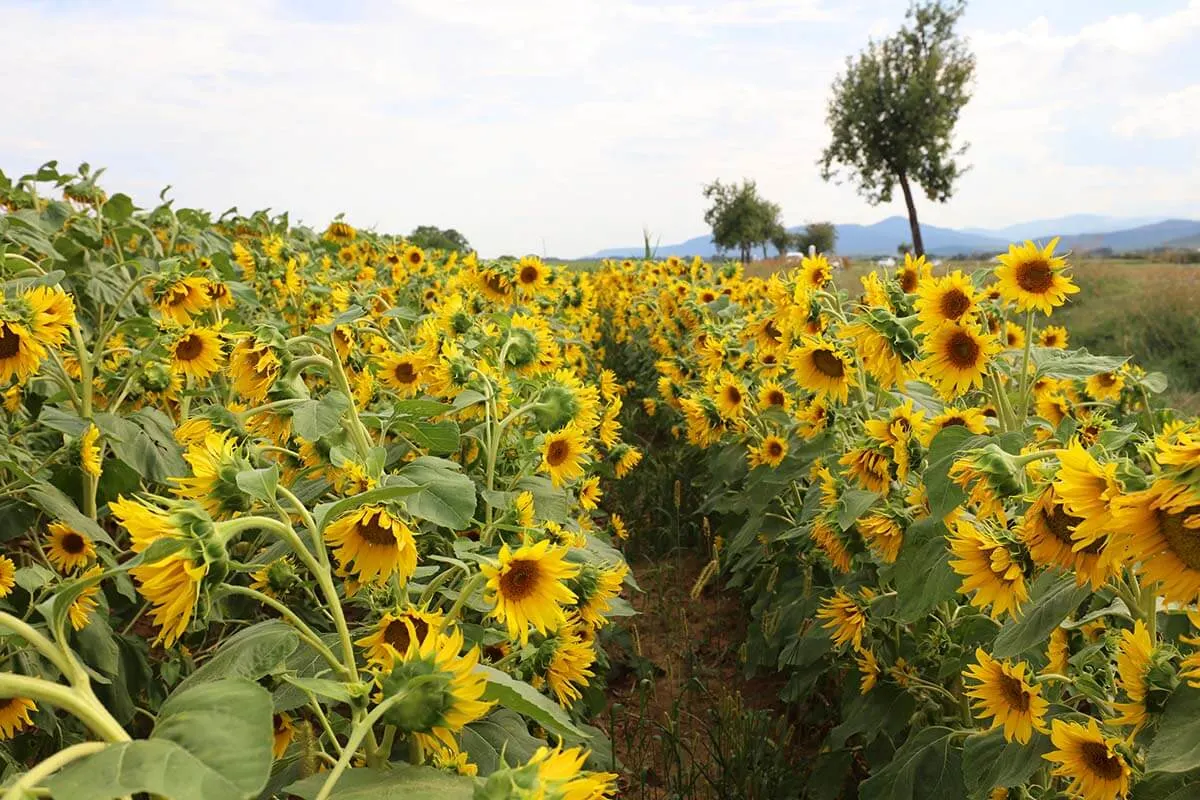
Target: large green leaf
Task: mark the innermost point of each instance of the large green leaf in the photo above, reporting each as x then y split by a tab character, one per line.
156	766
313	419
855	503
927	767
446	498
1176	746
1055	363
524	699
1052	597
330	512
144	442
989	761
500	739
922	571
251	653
402	782
949	444
58	505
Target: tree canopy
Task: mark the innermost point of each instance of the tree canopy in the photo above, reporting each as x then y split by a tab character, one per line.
431	237
893	111
741	219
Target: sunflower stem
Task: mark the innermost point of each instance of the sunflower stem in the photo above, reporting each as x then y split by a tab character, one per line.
306	633
358	433
1024	382
73	701
468	589
25	784
53	653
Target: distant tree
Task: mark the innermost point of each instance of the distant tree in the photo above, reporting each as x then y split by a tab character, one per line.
431	237
782	240
740	219
821	236
893	112
903	249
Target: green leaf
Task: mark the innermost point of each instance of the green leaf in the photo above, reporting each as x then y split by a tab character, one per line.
855	503
1176	746
251	653
446	496
871	714
1154	382
989	761
944	450
922	570
498	740
1055	363
118	208
155	766
260	483
418	408
145	442
313	419
322	687
1116	608
66	421
330	512
402	782
524	699
436	437
928	766
56	504
1052	597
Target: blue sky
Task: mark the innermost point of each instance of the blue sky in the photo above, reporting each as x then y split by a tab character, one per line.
564	126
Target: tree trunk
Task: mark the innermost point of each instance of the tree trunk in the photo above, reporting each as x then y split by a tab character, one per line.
918	245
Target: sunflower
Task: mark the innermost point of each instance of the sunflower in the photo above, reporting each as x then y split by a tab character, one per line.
52	313
1135	656
883	535
1047	531
81	608
531	275
253	366
376	541
1089	760
184	299
215	463
620	530
1087	490
560	774
90	454
830	542
948	299
402	372
590	494
1033	278
563	454
973	419
1159	528
414	256
282	732
67	549
525	509
1053	336
8	575
1002	693
772	395
957	356
339	232
870	467
20	352
845	618
14	716
990	570
398	634
197	353
914	272
1058	651
528	587
595	587
868	669
570	662
1105	385
815	272
1014	336
823	368
769	452
730	397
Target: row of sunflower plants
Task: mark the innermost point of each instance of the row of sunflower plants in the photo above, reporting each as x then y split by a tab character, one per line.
287	512
973	552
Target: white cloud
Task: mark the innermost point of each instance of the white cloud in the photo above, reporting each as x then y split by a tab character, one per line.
575	121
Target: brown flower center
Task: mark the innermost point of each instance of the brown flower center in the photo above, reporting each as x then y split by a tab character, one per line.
529	274
732	396
963	350
772	331
10	342
1060	523
396	633
521	579
558	452
1106	379
1050	339
1035	277
1101	762
189	348
1014	693
774	448
404	372
775	398
954	304
495	283
827	363
376	534
73	543
280	725
1184	542
415	258
908	280
952	421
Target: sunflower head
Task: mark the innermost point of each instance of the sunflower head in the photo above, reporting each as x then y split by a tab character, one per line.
528	587
67	549
1001	691
374	542
1033	278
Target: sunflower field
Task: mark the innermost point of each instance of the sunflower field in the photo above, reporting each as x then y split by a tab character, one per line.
314	513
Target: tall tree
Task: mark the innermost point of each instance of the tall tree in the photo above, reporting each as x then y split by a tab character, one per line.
893	112
431	237
740	219
821	236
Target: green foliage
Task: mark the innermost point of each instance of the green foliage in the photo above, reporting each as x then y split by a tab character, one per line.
431	237
740	219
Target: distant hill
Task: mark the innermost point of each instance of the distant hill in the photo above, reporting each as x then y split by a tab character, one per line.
883	237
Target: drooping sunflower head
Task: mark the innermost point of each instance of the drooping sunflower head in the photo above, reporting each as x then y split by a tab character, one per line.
67	549
399	635
14	716
1033	278
1047	529
254	364
183	298
883	534
595	587
992	573
1089	760
565	400
196	353
845	618
554	773
8	576
564	660
973	419
339	232
90	454
1001	691
20	353
1087	490
527	588
870	466
51	314
373	542
823	368
1159	529
215	462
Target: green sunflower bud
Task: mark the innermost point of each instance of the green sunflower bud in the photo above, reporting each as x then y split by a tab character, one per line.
558	406
424	702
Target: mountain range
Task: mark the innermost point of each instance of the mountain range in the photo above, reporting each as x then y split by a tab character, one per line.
1079	232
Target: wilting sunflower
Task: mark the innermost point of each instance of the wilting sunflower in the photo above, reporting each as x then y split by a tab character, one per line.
560	774
90	454
1053	336
948	299
81	608
67	549
184	299
20	352
1160	530
403	372
339	232
1087	489
14	716
570	662
1033	278
845	618
627	457
870	467
1135	656
595	587
215	463
8	575
526	510
1047	530
823	368
1002	693
883	534
1089	760
826	537
376	541
282	731
52	313
769	452
868	670
531	275
197	353
1058	651
563	454
253	366
397	632
528	587
1106	385
957	356
989	569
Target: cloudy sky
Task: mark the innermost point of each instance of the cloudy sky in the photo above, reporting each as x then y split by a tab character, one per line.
564	126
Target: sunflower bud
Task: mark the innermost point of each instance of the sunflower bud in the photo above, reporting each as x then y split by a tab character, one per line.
424	702
558	406
1161	681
